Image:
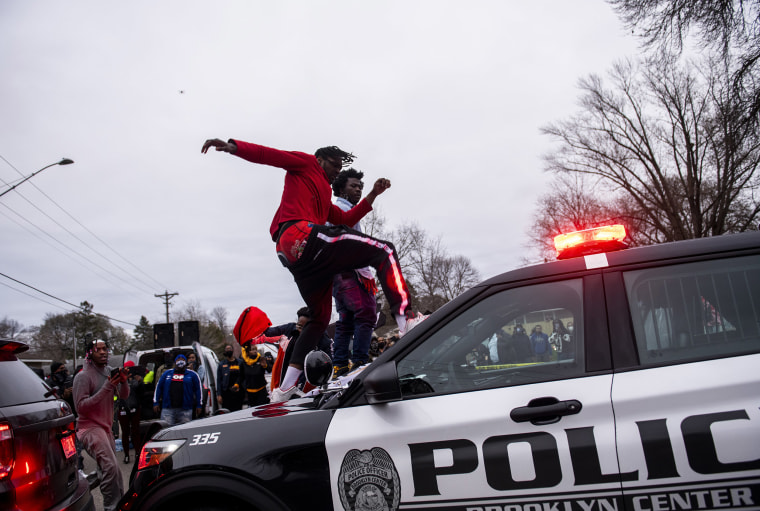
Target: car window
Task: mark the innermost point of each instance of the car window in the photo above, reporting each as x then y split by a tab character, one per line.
696	310
27	386
517	336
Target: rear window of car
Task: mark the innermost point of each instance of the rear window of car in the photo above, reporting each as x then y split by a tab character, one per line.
694	311
20	384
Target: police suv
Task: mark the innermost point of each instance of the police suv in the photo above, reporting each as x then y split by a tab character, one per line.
613	379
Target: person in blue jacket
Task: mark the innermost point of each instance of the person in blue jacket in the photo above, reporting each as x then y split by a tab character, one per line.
178	391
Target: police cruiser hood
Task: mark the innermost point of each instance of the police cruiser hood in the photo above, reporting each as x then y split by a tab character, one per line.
247	415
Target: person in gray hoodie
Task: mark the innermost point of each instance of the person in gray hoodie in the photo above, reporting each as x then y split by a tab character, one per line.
94	390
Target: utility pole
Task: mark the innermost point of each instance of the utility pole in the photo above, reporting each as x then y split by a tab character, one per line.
167	296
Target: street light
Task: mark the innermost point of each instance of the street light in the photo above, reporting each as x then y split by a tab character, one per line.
65	161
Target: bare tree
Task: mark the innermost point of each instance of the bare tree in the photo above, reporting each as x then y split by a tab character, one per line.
56	337
569	205
418	254
667	145
374	224
732	27
434	276
9	328
192	311
456	275
212	329
219	316
218	330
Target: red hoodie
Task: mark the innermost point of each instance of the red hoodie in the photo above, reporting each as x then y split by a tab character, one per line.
307	192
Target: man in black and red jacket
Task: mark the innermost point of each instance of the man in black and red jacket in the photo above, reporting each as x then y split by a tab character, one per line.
314	252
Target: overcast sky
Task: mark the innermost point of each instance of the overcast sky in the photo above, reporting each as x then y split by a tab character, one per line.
444	98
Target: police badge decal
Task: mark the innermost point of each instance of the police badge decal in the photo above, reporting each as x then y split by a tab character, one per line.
368	481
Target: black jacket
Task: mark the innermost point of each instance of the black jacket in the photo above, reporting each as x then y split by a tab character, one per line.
227	374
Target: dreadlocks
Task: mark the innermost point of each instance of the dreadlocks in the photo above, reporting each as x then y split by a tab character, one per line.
343	177
335	153
90	345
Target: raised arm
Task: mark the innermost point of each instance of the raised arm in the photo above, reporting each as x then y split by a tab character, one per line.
220	145
292	161
379	187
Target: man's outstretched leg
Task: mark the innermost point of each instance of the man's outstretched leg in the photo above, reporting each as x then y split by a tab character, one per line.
317	293
340	248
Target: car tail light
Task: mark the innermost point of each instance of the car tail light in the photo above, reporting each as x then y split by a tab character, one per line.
598	239
13	347
7	456
154	452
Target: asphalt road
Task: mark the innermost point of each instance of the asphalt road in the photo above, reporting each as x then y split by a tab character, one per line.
126	469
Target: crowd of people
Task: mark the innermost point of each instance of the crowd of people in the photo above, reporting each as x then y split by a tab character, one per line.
519	347
247	375
322	244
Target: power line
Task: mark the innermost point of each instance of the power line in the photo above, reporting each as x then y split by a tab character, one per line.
32	296
72	250
148	286
134	277
40	291
83	243
79	262
103	242
78	307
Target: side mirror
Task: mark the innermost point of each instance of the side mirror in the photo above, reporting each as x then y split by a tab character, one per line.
382	385
318	368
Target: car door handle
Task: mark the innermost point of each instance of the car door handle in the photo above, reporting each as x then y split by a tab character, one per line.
545	410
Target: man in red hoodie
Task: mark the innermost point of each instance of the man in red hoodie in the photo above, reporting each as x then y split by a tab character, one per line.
314	252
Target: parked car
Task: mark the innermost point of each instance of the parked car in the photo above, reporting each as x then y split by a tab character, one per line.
648	403
38	455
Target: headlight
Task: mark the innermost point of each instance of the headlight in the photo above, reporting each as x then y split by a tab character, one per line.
154	452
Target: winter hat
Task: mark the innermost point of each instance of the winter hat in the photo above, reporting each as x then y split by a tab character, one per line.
129	363
251	323
55	366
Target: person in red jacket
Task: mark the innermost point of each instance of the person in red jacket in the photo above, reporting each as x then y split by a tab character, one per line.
314	252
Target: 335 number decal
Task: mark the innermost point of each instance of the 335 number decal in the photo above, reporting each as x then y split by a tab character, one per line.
205	438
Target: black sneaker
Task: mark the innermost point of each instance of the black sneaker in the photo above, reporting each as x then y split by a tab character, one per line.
339	370
355	365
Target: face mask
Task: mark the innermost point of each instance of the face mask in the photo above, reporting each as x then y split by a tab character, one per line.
180	364
570	328
228	354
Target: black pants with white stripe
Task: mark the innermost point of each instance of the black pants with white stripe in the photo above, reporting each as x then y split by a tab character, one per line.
334	249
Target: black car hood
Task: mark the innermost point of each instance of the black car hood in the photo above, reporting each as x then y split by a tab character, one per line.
278	446
255	419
